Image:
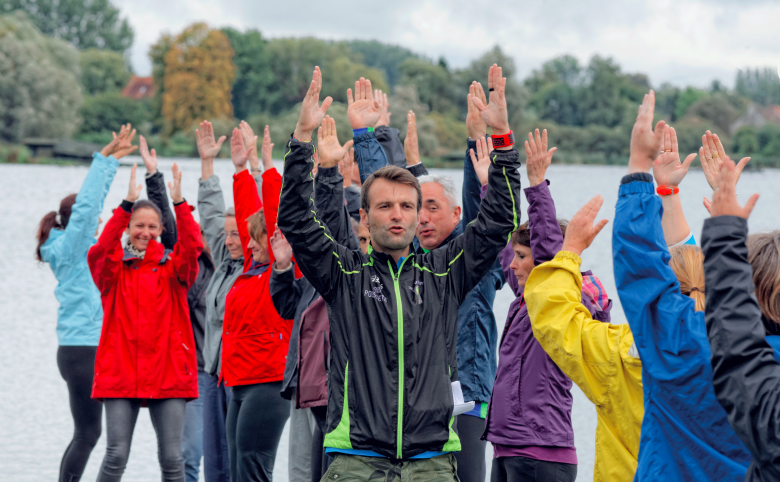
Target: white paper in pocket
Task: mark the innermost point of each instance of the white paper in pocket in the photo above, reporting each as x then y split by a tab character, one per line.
461	407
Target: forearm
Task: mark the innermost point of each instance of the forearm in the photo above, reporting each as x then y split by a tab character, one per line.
745	372
89	203
206	168
546	236
471	185
211	207
271	187
284	295
675	227
189	246
369	155
247	202
329	200
155	190
391	144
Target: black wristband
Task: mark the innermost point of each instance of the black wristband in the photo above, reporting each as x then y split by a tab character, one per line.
127	206
182	202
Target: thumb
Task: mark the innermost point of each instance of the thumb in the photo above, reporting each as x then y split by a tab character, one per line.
220	141
750	205
688	160
597	229
326	104
478	104
154	153
170	186
349	144
708	205
741	164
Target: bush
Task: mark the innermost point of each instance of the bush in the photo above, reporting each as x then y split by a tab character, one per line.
108	111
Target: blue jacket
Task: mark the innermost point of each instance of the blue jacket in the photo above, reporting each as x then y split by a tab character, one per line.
80	316
686	434
477	332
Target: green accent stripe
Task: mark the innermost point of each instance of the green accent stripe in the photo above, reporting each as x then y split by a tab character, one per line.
339	437
423	268
514	209
400	310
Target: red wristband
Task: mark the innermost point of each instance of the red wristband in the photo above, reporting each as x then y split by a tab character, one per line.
665	191
505	140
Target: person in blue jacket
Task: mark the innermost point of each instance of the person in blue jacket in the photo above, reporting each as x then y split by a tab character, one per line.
64	238
685	432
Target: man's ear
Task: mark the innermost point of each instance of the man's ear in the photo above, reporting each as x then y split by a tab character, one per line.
364	218
456	213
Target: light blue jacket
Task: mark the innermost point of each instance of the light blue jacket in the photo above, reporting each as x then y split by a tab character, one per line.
80	316
686	434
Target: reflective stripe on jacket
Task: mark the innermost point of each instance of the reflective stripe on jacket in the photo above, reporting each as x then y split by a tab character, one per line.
146	347
80	315
393	325
685	432
595	356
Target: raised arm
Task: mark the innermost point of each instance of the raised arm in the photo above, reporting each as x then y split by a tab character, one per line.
211	202
586	350
245	196
190	244
155	191
412	147
477	129
746	375
363	112
105	257
320	258
470	256
546	236
329	193
712	156
285	291
386	135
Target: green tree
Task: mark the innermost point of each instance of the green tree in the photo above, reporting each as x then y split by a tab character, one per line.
434	84
387	58
107	112
103	71
198	76
253	89
85	24
746	141
40	82
759	85
157	54
718	108
686	99
769	140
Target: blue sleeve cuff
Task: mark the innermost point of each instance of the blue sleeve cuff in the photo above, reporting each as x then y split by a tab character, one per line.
637	176
365	137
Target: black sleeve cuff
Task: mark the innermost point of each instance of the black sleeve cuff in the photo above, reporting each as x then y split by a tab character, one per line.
127	206
637	176
182	202
328	171
418	170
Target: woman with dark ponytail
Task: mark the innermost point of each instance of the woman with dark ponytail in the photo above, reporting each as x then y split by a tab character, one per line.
64	237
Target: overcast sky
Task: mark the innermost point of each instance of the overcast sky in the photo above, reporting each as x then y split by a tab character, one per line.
685	42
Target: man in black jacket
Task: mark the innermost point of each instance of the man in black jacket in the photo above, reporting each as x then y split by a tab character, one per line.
393	313
746	374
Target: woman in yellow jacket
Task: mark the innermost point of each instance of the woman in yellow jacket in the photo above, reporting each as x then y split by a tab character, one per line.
601	358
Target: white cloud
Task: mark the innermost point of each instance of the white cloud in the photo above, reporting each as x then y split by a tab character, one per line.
678	41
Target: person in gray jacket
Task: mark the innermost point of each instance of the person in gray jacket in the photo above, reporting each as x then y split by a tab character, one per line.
746	373
220	229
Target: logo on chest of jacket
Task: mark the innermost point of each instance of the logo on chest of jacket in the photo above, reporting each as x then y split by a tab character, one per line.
376	291
416	291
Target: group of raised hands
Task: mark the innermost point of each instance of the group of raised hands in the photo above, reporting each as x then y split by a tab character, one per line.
658	148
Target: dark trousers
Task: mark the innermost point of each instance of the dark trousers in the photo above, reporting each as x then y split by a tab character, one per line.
523	469
192	441
216	467
255	421
168	422
77	367
320	461
471	458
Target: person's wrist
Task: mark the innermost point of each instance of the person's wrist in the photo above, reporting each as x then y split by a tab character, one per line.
571	248
283	265
535	181
177	200
240	168
302	135
151	172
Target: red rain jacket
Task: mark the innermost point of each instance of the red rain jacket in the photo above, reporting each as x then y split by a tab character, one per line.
255	338
146	348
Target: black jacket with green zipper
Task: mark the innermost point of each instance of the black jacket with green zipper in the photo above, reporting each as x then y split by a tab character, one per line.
392	327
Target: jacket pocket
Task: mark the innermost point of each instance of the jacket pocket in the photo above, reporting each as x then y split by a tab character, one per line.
259	356
516	382
181	370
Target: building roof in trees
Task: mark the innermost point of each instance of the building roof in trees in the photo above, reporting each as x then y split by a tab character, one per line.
139	88
757	116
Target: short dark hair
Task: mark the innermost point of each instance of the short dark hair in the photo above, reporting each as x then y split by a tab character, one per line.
393	174
144	204
523	235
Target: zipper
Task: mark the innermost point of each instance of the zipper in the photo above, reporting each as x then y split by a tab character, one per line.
400	310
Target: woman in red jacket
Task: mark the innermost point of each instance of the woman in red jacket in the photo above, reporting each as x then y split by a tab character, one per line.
254	337
146	352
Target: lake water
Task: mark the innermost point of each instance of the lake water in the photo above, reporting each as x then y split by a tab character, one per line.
35	421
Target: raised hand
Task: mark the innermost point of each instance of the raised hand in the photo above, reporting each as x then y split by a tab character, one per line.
411	144
538	158
331	151
668	171
149	158
250	139
712	155
363	110
208	147
311	112
482	159
134	191
724	199
175	186
238	152
345	167
475	125
581	231
384	105
645	142
111	146
494	114
281	249
267	150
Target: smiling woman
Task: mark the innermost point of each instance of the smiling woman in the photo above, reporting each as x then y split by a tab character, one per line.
145	225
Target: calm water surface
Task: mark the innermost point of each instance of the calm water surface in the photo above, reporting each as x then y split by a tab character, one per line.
35	421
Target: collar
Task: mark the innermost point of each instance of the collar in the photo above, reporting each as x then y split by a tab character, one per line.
155	253
383	258
256	269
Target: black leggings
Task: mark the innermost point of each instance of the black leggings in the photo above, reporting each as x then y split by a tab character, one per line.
77	367
255	421
471	458
523	469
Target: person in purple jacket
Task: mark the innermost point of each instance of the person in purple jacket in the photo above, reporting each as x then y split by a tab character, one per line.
529	414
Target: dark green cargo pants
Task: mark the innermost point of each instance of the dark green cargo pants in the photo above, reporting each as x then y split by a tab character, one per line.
354	468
